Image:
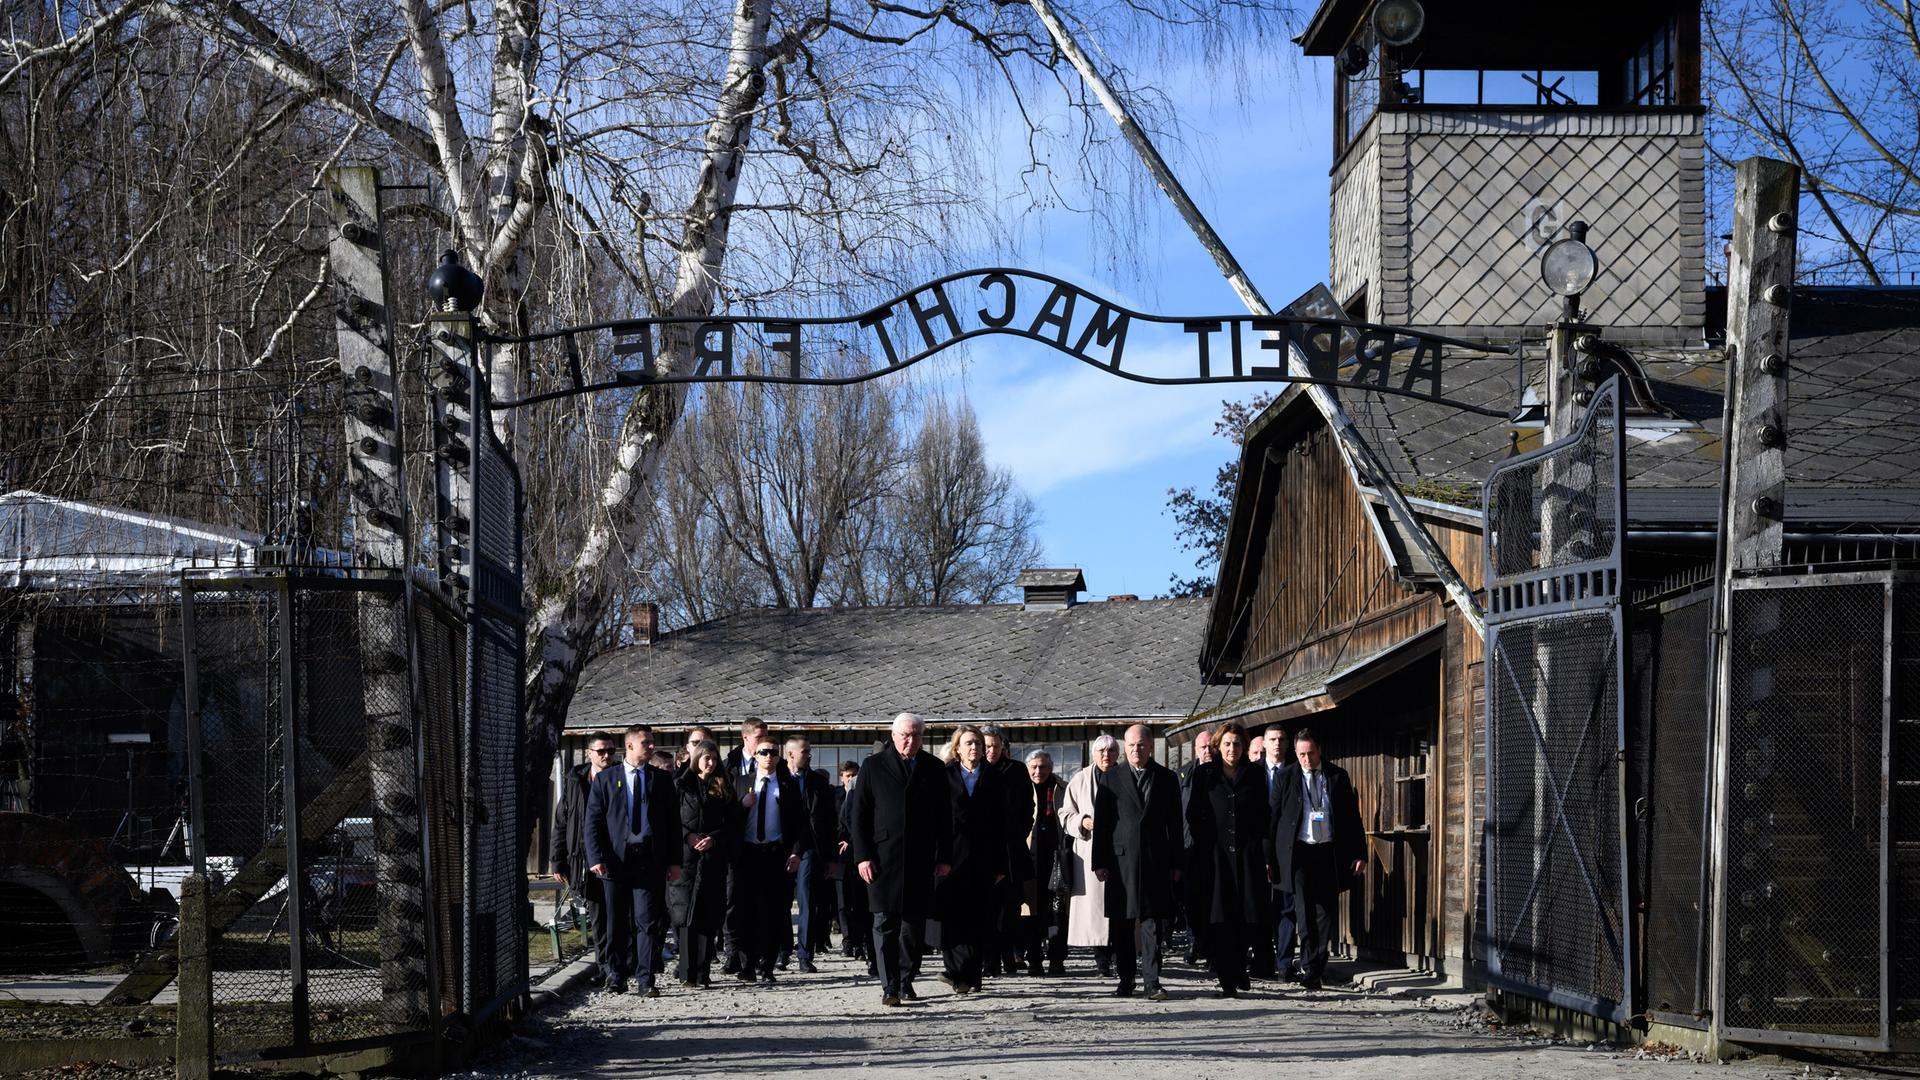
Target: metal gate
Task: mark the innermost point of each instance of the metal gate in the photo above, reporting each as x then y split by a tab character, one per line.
1816	711
1556	669
480	527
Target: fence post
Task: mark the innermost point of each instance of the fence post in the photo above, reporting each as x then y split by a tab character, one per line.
363	328
193	1045
1754	424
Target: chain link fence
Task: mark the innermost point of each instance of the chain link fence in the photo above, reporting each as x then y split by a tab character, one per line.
1804	901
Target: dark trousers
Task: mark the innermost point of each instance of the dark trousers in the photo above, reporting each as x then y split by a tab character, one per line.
1045	935
856	922
1136	950
1282	932
599	921
1000	932
1316	892
695	962
763	896
966	936
1227	952
896	950
809	885
637	905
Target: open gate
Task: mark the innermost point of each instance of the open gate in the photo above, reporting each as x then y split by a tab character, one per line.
1556	824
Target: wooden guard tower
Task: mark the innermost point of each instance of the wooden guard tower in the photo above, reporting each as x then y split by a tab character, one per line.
1462	152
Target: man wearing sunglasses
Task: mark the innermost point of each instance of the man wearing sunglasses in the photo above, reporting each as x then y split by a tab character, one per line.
776	833
567	849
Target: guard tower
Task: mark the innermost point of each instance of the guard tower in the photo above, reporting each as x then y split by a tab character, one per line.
1468	134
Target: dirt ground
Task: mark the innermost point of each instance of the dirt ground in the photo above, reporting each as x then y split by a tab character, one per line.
832	1023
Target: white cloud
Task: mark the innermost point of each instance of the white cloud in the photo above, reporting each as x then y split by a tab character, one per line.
1073	422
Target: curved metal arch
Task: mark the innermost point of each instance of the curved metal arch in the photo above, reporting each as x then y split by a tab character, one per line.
1107	316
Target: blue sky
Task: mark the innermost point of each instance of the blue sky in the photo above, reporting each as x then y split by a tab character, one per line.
1097	453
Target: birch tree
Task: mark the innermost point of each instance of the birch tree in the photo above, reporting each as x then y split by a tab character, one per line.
595	159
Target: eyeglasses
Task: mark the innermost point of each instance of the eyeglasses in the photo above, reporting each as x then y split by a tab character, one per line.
599	749
765	751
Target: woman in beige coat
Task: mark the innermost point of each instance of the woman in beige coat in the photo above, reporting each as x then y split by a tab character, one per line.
1086	896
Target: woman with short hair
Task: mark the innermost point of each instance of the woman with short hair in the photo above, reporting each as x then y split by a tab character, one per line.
1086	894
1226	824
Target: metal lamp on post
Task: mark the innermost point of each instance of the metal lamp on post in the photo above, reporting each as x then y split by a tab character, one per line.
1569	267
453	287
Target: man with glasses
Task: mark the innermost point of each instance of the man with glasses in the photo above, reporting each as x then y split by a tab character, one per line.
567	847
775	835
633	843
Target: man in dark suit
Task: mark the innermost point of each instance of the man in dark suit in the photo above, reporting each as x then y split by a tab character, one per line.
777	833
633	846
856	922
1273	954
567	851
1318	845
900	820
753	732
810	884
1196	927
1000	942
1138	845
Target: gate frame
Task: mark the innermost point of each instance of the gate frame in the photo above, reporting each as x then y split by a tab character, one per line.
1889	580
1565	590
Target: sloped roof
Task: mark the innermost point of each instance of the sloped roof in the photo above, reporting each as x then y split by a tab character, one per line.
1853	411
46	541
834	667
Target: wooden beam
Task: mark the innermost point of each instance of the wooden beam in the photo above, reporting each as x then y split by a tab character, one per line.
1754	430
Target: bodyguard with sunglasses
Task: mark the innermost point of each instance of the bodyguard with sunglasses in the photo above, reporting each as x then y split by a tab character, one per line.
567	849
775	833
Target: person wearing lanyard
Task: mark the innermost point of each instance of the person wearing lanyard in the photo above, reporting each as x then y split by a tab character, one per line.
1316	847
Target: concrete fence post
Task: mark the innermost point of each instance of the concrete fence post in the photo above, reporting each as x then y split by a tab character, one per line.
193	1051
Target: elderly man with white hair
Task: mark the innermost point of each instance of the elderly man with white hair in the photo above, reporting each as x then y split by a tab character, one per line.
1086	894
1043	893
900	828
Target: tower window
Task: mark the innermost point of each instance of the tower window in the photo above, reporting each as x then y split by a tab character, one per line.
1545	89
1650	69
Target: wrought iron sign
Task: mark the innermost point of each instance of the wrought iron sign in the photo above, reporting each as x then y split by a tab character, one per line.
1162	350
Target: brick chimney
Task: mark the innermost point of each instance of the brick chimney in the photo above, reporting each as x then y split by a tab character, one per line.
644	620
1050	590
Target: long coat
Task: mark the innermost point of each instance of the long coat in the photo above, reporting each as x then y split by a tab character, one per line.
1086	894
1227	823
979	846
1040	850
902	822
1018	791
1138	841
567	847
1343	805
699	899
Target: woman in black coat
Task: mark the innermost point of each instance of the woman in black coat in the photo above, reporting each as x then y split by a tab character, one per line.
710	820
1227	820
964	901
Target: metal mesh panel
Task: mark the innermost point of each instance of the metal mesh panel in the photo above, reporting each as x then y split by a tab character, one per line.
1904	766
440	641
1549	511
237	655
1805	725
1672	757
1553	818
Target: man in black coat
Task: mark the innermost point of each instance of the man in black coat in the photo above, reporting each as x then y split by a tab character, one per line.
1273	953
567	850
1000	944
1139	842
1318	845
810	884
633	846
856	922
900	821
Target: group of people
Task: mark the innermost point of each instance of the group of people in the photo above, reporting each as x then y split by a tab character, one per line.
995	863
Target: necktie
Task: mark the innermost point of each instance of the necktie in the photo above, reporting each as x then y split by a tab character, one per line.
760	813
1140	781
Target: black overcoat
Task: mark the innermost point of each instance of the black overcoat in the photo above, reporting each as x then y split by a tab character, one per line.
1138	843
979	845
1017	787
1349	835
567	848
699	899
901	821
823	817
1227	822
1040	844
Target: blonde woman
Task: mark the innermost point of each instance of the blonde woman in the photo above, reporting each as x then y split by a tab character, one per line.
1086	896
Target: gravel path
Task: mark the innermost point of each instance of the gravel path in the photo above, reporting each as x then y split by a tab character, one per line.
1054	1029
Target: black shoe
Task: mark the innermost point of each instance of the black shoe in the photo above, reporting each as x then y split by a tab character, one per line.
744	976
1123	990
784	961
952	984
1158	994
1227	992
617	986
1187	959
766	977
1106	970
1311	982
891	1001
1056	969
731	967
908	993
651	991
807	968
